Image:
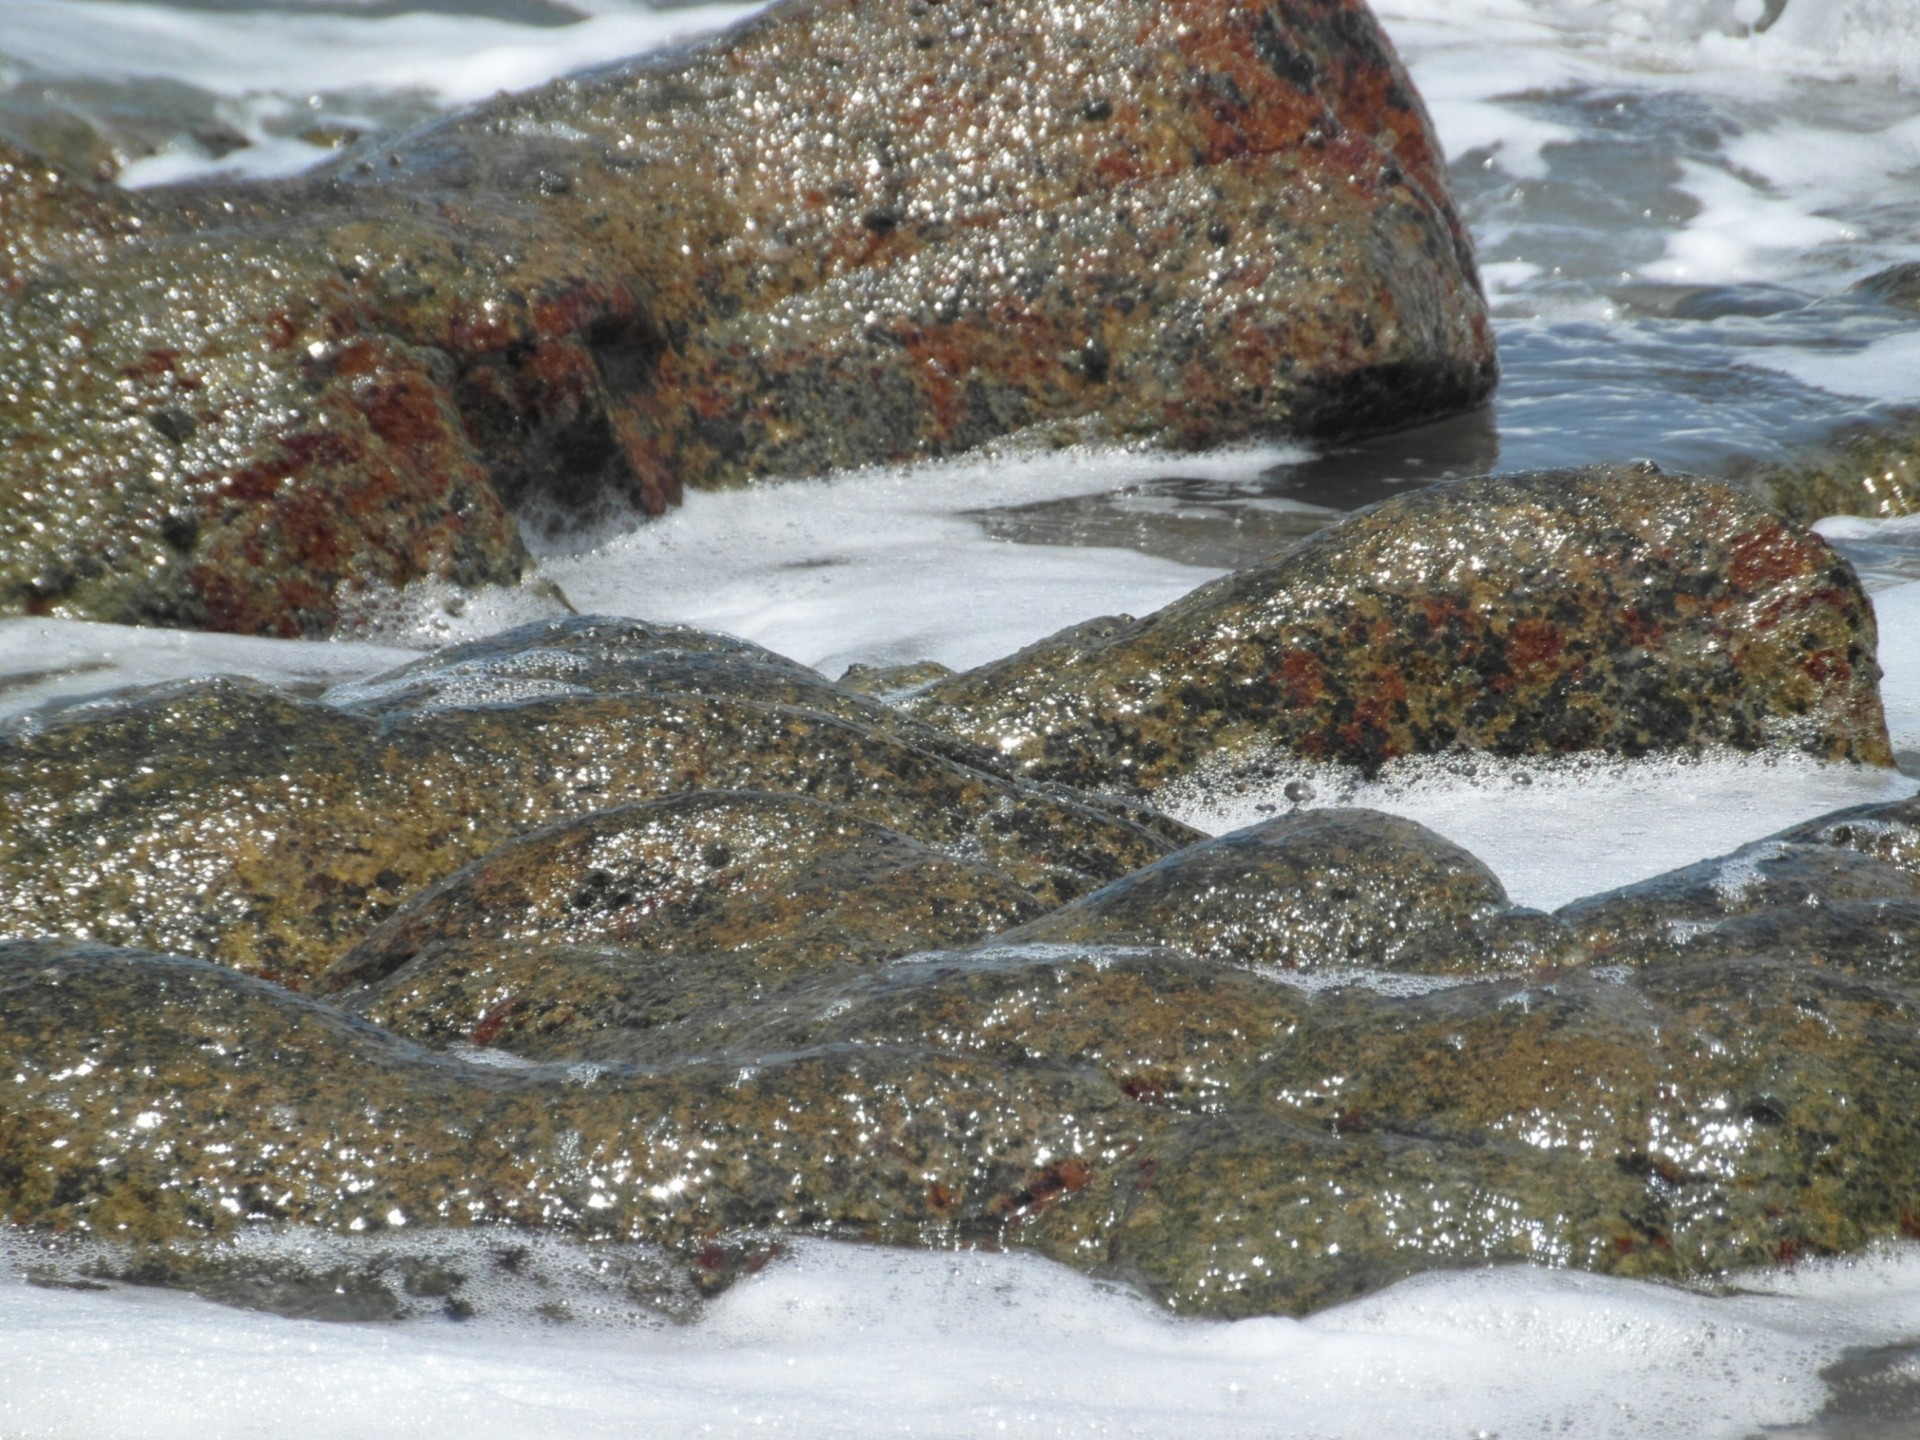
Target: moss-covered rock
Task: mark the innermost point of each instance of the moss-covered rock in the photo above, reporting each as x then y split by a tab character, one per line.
1610	609
841	233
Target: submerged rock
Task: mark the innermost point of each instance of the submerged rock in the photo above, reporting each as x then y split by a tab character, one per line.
1897	285
1862	470
223	820
1610	609
841	233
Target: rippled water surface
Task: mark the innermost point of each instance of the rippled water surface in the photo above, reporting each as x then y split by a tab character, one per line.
1675	212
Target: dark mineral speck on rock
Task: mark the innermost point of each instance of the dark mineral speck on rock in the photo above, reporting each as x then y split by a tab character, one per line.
832	236
1613	609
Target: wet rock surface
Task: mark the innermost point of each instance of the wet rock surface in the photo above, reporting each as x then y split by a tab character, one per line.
795	883
165	1098
839	234
1863	470
1313	890
1231	1144
1840	891
603	655
223	820
1614	608
655	939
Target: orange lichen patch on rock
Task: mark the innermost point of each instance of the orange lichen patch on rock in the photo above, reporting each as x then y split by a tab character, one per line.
1043	1189
1766	556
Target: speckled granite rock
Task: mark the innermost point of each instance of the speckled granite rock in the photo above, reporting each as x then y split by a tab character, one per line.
161	1098
587	655
1231	1145
1605	609
842	233
1315	890
226	821
544	1000
515	952
47	216
796	884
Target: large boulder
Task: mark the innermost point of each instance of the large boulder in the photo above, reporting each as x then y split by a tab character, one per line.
1614	608
842	233
1230	1144
153	1100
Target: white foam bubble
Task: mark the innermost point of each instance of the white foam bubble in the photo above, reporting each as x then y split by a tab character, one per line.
1745	230
1554	830
885	565
44	662
842	1341
1787	176
1887	369
1824	38
457	58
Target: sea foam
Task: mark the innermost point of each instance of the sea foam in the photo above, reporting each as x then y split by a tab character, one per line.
836	1340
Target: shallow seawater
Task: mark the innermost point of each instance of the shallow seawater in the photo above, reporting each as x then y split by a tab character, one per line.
1672	209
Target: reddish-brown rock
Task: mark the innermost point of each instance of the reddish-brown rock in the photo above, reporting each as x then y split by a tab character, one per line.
1614	608
843	233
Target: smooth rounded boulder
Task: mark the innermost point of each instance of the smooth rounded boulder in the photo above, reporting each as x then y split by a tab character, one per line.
1315	890
227	821
1615	608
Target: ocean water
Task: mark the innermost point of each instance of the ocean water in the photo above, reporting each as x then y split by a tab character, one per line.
1673	202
